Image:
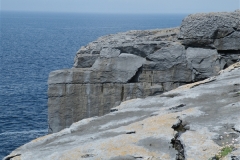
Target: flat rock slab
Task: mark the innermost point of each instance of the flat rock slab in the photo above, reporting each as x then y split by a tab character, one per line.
143	128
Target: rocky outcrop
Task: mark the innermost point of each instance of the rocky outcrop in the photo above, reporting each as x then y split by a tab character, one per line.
191	122
214	30
137	64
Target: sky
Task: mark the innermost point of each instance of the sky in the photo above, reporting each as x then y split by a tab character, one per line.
121	6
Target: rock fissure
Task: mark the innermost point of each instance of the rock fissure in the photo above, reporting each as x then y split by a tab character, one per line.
176	142
177	107
135	78
131	132
234	158
113	110
236	130
230	33
12	157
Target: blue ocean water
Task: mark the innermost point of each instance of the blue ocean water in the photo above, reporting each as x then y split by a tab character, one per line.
34	44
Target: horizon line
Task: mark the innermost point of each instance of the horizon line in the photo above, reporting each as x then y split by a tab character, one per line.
69	12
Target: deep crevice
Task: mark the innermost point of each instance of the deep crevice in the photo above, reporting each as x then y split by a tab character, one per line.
122	93
225	66
235	130
234	158
10	157
131	132
138	157
176	143
135	78
113	110
229	51
219	34
177	107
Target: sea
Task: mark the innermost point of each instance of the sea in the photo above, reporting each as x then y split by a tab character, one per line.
34	44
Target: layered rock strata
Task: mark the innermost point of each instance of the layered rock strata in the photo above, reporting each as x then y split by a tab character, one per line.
137	64
191	122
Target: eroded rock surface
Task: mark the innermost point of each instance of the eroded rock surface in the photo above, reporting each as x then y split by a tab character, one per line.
137	64
185	123
212	30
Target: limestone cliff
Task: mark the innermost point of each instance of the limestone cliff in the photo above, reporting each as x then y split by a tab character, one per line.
191	122
137	64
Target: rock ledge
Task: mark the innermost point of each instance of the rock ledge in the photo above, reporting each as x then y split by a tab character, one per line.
137	64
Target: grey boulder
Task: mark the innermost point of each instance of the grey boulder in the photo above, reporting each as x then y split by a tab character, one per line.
214	30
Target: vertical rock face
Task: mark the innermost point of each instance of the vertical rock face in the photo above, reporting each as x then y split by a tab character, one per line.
137	64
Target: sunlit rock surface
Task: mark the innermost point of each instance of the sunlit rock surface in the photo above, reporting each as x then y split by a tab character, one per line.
137	64
190	118
216	30
113	69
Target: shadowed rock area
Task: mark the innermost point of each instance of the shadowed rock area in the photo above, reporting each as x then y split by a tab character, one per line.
137	64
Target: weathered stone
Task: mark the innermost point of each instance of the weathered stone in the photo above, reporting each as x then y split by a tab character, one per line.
76	76
204	62
142	49
177	73
231	42
78	101
168	57
138	64
229	57
185	123
85	60
208	25
109	52
199	113
131	37
124	62
214	30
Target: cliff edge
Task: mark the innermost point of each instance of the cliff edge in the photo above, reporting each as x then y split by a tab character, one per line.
191	122
194	121
137	64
